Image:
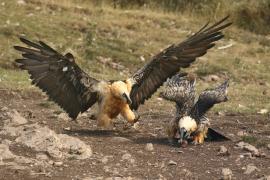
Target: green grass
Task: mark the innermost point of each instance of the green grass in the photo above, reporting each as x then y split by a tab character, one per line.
124	35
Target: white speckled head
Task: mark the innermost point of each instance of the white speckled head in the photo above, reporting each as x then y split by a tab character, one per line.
188	123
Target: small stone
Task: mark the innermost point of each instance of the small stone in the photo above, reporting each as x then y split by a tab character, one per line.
268	146
67	129
128	157
84	115
120	139
6	142
240	144
226	174
223	151
220	113
43	122
16	118
51	162
41	156
5	153
250	169
213	78
58	163
248	154
172	163
241	133
136	125
186	174
4	109
142	58
263	111
21	2
63	116
149	147
104	160
248	147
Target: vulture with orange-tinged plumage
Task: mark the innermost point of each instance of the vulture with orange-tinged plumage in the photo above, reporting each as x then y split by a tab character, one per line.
75	91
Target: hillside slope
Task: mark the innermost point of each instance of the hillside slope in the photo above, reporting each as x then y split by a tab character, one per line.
113	43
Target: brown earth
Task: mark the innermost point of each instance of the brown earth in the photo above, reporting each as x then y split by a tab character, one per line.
127	157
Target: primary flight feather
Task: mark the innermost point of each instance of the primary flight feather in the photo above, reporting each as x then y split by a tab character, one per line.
75	91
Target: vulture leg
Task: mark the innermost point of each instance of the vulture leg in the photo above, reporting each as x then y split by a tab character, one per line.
128	114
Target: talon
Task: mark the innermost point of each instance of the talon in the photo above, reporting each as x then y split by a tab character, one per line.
136	119
198	138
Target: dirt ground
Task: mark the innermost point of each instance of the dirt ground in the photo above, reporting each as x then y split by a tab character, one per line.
126	157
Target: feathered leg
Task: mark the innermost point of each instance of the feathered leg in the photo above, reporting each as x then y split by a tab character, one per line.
200	134
129	115
103	120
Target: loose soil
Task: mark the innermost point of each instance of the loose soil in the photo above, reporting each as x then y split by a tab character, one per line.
192	162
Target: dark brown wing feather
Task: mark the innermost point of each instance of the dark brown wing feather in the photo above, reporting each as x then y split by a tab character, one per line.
208	98
59	76
167	63
181	90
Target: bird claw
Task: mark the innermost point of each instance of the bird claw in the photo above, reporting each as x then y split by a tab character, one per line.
136	119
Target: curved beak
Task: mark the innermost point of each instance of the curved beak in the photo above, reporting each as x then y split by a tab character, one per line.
183	134
127	98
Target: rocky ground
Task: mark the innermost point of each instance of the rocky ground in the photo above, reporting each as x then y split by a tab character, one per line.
38	141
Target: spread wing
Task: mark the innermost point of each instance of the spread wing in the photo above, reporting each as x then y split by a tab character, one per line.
208	98
181	90
59	76
167	63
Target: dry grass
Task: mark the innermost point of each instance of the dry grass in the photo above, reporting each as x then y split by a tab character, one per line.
124	36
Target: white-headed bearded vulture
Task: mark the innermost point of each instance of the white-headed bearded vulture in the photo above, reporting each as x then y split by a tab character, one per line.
190	118
75	91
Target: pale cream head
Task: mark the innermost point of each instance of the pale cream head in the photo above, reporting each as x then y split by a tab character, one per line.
119	89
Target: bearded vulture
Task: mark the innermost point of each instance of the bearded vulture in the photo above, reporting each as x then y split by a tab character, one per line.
190	118
75	91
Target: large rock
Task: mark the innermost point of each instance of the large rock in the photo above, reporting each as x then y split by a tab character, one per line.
56	145
248	147
5	153
14	118
43	139
14	161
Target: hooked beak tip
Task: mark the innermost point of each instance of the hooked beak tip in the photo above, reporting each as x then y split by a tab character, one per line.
129	101
127	98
